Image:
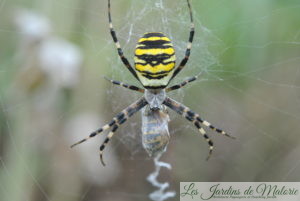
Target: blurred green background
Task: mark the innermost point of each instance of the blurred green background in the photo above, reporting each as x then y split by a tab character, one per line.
52	58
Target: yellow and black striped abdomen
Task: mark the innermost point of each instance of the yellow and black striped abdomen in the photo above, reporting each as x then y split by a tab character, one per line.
154	60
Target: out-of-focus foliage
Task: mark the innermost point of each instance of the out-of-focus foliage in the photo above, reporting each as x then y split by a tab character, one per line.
52	58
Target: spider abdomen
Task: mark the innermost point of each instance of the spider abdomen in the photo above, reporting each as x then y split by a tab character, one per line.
155	132
154	60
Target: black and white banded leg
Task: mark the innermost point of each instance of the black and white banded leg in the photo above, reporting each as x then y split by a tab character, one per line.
120	51
189	45
193	117
128	112
208	140
182	110
118	120
131	87
107	139
97	132
178	86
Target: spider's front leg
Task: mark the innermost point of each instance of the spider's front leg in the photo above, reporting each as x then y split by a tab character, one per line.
195	118
115	123
107	139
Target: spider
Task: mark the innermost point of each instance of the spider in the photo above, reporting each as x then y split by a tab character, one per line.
154	68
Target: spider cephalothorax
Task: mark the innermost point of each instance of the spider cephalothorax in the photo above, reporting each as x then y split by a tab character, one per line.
154	68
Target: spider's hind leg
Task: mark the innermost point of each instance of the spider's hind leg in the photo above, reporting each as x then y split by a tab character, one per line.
189	44
116	41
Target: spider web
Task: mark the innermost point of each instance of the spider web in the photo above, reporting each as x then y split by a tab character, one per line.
247	52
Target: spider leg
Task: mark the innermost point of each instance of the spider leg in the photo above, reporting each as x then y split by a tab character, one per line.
131	87
119	119
178	86
120	51
130	111
207	124
100	130
209	141
182	110
193	117
189	45
107	139
188	113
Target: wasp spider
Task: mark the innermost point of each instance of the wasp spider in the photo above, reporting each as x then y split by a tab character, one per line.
154	68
